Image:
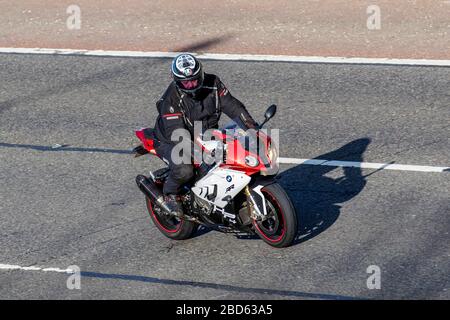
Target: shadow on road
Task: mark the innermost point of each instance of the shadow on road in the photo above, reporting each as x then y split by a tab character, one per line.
63	148
217	286
316	196
203	44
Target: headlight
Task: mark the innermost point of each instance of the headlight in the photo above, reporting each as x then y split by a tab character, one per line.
251	161
272	153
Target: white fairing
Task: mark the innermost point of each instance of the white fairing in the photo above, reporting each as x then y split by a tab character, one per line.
229	183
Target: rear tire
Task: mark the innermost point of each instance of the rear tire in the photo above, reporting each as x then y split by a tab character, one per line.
280	230
171	227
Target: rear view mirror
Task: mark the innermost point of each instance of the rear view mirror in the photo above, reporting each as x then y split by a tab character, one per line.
270	112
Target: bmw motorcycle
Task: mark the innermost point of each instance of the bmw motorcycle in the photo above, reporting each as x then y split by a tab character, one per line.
237	194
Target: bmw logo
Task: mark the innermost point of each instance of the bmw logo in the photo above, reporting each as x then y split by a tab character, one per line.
229	178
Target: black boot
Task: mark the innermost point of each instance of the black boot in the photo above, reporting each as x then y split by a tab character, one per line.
174	204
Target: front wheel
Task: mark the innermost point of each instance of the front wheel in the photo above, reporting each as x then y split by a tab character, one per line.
280	228
171	227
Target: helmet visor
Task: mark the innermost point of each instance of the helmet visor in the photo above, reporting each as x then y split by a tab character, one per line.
190	84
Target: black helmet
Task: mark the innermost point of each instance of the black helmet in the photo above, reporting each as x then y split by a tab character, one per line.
187	73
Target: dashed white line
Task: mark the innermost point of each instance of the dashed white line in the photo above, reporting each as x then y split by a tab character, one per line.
232	57
12	267
368	165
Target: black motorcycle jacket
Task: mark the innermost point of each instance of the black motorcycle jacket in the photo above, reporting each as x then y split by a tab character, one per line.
178	110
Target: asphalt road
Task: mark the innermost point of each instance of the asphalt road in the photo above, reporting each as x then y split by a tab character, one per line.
79	205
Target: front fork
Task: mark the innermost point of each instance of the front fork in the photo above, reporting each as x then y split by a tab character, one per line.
251	204
256	203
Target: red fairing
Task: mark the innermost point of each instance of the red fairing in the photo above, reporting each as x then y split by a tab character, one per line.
146	142
236	154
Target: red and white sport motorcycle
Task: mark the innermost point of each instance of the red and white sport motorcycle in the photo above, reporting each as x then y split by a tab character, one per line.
236	195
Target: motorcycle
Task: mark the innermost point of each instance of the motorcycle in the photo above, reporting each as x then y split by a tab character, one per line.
238	194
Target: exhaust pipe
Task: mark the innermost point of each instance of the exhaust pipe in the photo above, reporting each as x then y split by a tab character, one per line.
152	192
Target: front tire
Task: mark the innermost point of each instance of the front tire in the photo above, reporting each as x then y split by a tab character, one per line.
280	229
171	227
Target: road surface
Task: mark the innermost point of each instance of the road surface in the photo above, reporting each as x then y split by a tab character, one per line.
78	204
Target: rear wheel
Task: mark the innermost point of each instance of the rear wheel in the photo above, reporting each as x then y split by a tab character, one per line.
171	227
280	228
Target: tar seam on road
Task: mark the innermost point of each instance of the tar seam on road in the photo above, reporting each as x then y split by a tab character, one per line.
232	57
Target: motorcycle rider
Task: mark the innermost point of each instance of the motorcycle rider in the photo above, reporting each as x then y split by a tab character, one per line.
192	96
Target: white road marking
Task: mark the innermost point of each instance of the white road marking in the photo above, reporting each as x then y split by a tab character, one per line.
275	58
34	268
232	57
333	163
368	165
